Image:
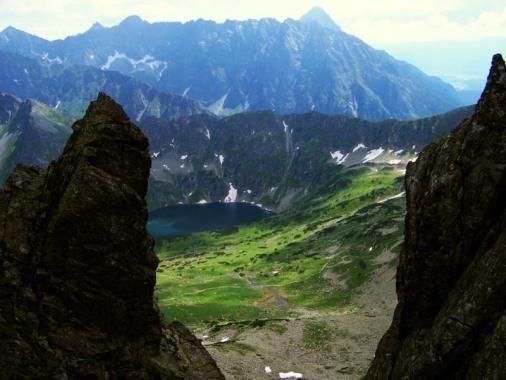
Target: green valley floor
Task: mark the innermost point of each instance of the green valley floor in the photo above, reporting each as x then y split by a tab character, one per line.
310	290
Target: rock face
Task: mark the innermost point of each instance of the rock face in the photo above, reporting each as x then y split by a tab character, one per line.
450	322
77	268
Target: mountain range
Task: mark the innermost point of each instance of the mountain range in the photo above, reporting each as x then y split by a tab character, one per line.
71	88
271	159
260	157
293	66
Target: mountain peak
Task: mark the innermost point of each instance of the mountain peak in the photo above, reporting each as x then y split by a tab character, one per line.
105	108
97	26
494	95
133	20
319	16
10	29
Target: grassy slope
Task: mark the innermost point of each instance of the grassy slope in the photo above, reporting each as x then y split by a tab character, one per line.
324	248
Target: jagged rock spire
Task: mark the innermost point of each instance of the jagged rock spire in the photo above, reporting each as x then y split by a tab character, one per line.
450	322
77	267
493	99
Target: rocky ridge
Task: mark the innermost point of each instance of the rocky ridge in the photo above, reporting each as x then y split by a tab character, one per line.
77	268
294	66
450	322
273	159
30	133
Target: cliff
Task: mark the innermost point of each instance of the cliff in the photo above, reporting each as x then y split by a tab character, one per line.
77	268
450	322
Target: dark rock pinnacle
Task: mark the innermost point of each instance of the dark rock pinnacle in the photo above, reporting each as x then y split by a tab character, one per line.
450	322
77	268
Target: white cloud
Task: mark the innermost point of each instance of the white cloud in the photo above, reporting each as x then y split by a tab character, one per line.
432	27
377	22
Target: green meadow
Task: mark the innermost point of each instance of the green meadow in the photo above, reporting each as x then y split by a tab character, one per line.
309	259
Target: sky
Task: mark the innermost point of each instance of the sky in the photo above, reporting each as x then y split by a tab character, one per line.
379	23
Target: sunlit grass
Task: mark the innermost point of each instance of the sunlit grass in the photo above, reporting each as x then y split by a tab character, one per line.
313	256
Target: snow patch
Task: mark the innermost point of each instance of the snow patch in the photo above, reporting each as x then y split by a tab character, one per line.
339	157
290	375
268	369
232	194
208	134
398	152
394	162
218	107
246	104
359	146
373	154
186	91
285	126
26	71
166	167
184	157
400	195
224	339
145	105
202	202
57	104
45	57
222	159
146	62
155	155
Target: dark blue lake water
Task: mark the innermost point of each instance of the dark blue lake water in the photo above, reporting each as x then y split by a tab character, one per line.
185	219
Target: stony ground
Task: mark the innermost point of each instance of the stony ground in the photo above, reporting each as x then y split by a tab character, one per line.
320	346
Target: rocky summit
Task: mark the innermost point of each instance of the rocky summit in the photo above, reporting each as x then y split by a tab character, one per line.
77	268
450	322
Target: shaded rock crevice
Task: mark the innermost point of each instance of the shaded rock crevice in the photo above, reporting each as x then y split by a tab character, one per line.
451	280
77	267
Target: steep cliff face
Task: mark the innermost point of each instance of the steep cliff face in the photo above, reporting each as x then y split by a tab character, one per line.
451	282
77	268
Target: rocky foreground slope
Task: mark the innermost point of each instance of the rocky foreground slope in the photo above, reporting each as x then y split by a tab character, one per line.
77	268
451	282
